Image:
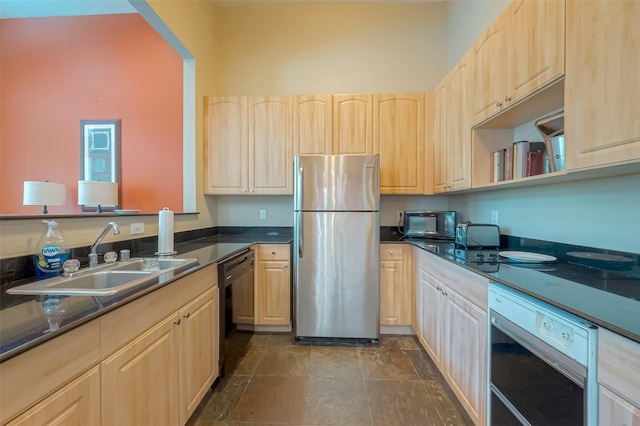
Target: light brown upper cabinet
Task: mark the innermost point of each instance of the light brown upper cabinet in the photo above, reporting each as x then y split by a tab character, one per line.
440	136
457	137
521	52
399	138
249	145
312	129
270	145
602	85
227	145
452	128
352	124
489	71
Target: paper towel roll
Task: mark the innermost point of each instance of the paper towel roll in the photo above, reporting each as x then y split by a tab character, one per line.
165	231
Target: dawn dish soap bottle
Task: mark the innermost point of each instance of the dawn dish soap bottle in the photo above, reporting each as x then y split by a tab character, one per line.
51	252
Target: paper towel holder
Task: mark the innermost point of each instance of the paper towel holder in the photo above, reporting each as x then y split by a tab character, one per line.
161	219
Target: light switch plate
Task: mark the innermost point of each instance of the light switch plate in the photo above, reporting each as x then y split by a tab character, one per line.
494	217
137	228
263	215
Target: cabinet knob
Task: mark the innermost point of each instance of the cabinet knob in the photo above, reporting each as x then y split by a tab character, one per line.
286	266
390	251
244	190
273	252
177	321
498	104
251	190
507	99
187	315
382	265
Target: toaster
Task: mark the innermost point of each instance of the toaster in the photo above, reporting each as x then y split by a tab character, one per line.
477	235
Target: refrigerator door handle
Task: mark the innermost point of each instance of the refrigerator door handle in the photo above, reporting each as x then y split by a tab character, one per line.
300	178
299	236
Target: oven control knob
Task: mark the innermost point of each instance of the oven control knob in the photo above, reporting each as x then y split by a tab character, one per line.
567	336
548	325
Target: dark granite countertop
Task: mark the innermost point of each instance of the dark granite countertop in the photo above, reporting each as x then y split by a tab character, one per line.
24	326
608	297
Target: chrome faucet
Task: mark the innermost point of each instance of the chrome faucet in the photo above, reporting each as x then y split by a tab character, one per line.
93	256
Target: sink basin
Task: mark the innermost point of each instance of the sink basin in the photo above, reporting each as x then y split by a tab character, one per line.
153	264
106	280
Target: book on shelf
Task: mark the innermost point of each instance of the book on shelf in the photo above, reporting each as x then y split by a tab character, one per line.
498	166
508	163
534	163
520	149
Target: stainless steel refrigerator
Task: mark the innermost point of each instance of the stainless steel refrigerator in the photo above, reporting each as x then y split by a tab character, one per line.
336	247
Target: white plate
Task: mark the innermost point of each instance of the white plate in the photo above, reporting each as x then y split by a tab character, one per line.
525	256
126	211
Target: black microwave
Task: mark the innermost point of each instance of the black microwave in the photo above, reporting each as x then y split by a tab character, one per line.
430	224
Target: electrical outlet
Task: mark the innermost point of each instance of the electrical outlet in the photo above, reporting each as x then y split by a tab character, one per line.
263	215
137	228
494	217
400	216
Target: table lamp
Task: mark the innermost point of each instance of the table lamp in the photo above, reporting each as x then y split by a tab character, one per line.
97	193
44	194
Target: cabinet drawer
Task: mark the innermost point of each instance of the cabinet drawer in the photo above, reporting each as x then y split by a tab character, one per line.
273	252
619	364
392	252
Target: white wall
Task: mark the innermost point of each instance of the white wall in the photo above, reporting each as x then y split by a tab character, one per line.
467	20
599	213
284	49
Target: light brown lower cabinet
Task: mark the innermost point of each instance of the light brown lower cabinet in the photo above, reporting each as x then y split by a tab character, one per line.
148	362
273	285
619	379
140	381
78	403
161	376
395	284
451	324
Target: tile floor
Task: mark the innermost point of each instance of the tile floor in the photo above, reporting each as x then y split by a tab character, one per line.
271	380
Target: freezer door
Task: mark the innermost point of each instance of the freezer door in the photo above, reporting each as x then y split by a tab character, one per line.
337	284
337	183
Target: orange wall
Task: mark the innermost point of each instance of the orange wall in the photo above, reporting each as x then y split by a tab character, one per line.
58	71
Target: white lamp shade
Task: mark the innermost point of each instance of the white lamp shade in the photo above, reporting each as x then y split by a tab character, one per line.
44	194
97	193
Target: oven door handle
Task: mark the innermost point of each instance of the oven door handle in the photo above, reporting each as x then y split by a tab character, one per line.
568	367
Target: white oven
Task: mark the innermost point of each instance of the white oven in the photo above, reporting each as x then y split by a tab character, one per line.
542	363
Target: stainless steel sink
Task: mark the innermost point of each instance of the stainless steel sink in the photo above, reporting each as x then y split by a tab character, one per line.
107	280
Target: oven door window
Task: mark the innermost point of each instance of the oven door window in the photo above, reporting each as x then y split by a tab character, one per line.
539	392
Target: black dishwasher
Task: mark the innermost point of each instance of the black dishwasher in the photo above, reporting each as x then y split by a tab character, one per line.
235	278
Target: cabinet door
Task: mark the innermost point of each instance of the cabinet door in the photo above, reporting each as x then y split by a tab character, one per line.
466	353
488	66
352	124
458	119
391	292
78	403
226	146
270	145
615	410
440	137
312	129
432	316
140	382
398	136
274	293
602	84
535	45
198	351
